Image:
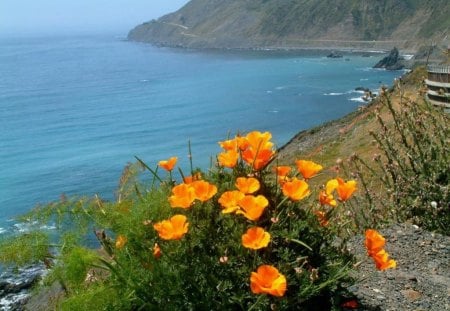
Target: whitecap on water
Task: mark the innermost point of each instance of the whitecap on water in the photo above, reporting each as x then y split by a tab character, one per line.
357	99
333	94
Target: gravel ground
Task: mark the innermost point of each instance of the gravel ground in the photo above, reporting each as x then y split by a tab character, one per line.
421	280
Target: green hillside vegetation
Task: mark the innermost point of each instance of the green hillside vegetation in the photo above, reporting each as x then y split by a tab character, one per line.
260	229
299	23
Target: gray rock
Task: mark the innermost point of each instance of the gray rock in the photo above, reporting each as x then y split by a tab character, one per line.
391	62
421	281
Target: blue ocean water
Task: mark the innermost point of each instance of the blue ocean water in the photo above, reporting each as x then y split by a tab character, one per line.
75	110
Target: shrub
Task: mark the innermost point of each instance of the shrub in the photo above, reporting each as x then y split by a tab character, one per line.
412	164
248	234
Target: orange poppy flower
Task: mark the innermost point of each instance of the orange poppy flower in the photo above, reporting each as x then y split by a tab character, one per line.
283	170
259	141
255	238
322	218
382	261
374	241
230	144
121	240
252	207
228	158
203	190
156	251
345	189
326	199
247	185
258	159
331	185
183	196
229	201
172	229
169	164
296	189
242	142
268	280
308	169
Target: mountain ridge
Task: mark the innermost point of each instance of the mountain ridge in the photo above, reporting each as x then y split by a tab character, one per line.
380	24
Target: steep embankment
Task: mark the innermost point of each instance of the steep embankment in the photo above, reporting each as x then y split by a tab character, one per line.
294	23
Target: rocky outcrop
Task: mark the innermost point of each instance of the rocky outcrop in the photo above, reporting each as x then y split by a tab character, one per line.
15	286
391	62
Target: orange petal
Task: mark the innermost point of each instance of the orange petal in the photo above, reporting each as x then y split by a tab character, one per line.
374	241
345	189
296	189
229	201
247	185
203	190
307	168
255	238
268	280
169	164
252	207
183	196
228	158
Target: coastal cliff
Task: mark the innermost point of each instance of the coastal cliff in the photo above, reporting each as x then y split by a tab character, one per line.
405	24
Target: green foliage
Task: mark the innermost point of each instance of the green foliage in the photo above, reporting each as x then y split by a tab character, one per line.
413	166
24	249
206	269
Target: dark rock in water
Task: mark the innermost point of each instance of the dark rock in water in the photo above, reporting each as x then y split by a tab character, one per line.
361	88
391	62
334	55
15	286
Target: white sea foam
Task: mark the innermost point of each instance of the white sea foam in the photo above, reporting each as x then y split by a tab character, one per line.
358	99
10	301
333	94
24	227
2	230
47	227
363	79
407	56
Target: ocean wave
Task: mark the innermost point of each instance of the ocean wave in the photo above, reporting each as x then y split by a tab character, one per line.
333	94
12	300
2	230
24	227
357	99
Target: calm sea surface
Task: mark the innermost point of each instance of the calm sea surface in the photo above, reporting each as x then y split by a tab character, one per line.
75	110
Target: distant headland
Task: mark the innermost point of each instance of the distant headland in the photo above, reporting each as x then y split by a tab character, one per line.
324	24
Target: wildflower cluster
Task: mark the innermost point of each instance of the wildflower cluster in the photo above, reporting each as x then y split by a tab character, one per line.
249	234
